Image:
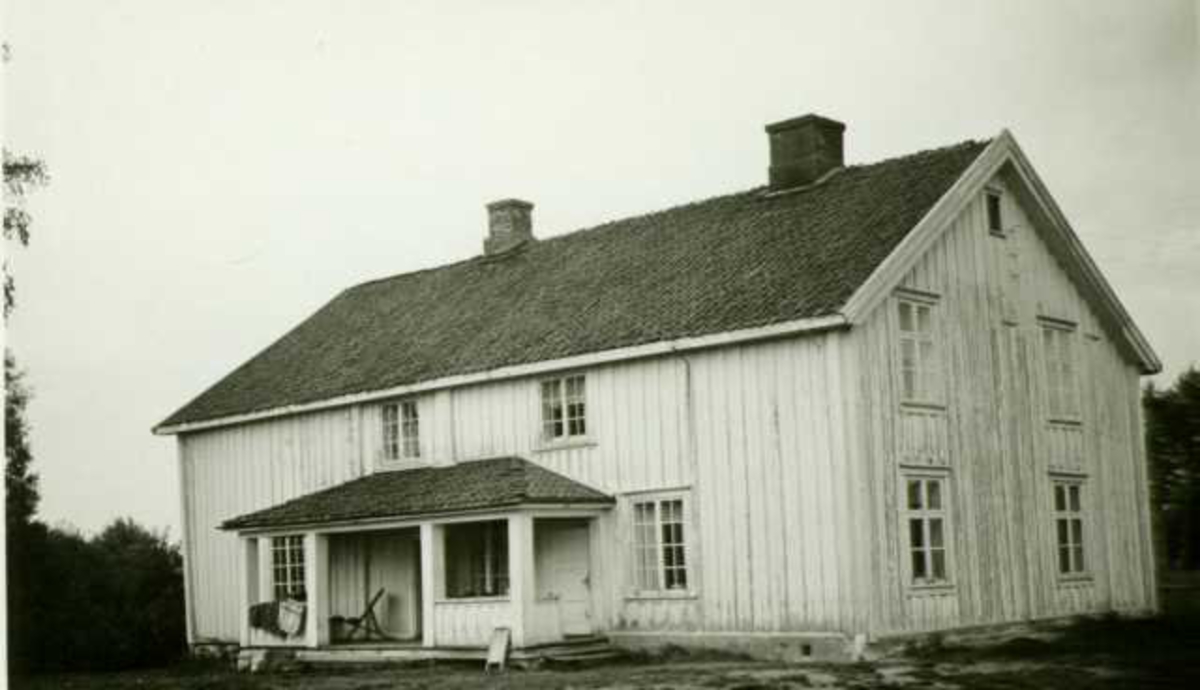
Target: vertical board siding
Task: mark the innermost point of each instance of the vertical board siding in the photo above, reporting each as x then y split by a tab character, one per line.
997	442
753	435
469	623
244	468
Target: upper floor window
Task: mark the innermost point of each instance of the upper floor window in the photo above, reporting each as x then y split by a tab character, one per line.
1068	523
925	515
1062	397
995	219
660	544
287	566
564	408
919	379
401	431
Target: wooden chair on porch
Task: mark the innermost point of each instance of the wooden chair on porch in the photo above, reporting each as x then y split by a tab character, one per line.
367	623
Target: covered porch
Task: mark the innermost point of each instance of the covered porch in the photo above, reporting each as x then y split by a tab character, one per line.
439	558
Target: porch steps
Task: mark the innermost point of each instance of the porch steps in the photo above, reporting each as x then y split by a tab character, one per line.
581	651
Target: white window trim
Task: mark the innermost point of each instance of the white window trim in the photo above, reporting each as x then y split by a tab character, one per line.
689	548
998	194
488	555
567	439
1069	479
404	448
288	544
1074	415
943	475
935	398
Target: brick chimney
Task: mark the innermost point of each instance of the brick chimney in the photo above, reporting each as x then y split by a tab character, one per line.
510	223
803	149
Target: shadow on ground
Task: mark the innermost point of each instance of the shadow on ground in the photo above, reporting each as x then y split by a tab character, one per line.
1111	653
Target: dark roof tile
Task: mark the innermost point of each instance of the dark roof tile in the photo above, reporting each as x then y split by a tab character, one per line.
476	485
738	261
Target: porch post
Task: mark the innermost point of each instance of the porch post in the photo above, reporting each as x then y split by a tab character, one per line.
248	592
316	587
430	580
520	576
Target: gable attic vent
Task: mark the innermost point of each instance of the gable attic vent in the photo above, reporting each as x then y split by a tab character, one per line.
510	223
803	149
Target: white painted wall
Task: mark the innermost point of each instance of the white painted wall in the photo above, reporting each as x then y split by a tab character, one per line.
787	451
994	437
752	433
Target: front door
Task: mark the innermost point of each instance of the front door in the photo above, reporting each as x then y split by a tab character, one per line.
566	574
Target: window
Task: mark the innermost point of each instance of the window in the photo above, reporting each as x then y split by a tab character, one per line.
995	220
925	518
918	365
477	559
1068	524
1062	396
660	546
287	560
564	408
401	431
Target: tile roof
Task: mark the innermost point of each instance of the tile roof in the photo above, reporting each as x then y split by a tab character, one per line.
475	485
738	261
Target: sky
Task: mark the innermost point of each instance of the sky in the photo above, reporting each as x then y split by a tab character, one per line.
221	169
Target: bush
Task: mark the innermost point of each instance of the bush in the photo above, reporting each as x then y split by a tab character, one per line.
111	602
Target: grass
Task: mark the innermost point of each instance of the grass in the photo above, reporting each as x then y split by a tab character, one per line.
1108	653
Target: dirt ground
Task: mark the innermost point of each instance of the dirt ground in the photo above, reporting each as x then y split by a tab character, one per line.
1094	654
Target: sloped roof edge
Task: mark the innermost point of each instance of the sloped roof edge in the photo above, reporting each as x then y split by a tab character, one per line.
1003	150
778	330
466	487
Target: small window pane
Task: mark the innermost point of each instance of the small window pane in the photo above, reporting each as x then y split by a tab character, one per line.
916	532
908	354
935	533
939	564
914	495
1074	494
934	489
906	319
1077	532
1064	559
1060	497
995	222
1079	566
923	319
1063	536
918	564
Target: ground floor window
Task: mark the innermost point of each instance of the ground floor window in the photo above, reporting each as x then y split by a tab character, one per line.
660	544
1068	525
287	561
477	559
926	530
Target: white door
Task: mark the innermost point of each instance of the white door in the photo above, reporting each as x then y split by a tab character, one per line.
566	575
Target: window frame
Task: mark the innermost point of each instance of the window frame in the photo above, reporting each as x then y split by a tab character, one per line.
926	516
1060	356
928	381
989	196
400	425
292	565
1072	514
563	404
682	559
490	576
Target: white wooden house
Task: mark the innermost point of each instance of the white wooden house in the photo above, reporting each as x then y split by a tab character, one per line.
860	400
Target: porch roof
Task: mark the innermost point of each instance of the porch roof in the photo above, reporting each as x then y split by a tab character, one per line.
475	485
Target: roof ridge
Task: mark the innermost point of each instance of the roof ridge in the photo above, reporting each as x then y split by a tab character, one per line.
647	215
725	262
